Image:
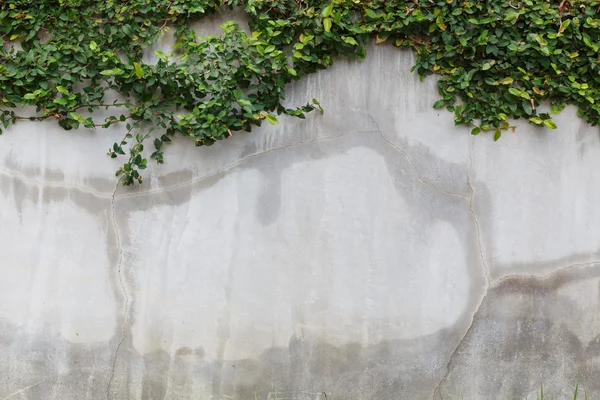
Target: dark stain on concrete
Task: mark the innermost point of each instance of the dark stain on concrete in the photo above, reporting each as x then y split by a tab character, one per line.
410	368
517	341
522	338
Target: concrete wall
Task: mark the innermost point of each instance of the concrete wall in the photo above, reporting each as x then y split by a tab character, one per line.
373	252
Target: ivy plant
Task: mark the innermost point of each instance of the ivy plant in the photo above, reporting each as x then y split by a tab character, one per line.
497	60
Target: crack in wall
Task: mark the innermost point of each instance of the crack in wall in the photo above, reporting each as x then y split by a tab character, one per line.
408	157
26	388
232	165
236	163
437	387
478	227
226	168
124	292
496	284
29	181
546	276
492	284
483	263
160	190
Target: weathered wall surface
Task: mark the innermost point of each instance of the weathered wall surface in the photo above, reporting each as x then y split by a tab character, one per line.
373	252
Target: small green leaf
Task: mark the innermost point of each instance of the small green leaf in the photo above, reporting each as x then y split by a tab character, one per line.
515	92
536	120
370	13
81	58
439	104
62	90
550	124
350	40
61	100
327	24
497	134
139	72
112	72
507	81
526	107
318	105
272	119
475	131
160	55
93	46
77	117
327	11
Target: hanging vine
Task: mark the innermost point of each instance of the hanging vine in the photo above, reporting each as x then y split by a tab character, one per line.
497	60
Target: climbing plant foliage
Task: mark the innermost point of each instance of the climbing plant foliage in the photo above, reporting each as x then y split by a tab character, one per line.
498	60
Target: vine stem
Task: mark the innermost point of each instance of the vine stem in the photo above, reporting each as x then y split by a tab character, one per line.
560	10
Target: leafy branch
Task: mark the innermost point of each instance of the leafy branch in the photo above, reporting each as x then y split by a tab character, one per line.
497	61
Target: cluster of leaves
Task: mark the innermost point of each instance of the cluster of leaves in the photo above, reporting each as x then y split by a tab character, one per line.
496	59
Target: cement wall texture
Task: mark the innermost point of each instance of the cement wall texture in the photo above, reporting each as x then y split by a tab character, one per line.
373	252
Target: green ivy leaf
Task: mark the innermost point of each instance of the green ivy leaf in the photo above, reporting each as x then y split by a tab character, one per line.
160	55
526	107
62	90
77	117
139	72
61	100
550	124
536	120
370	13
81	58
112	72
272	119
439	104
327	24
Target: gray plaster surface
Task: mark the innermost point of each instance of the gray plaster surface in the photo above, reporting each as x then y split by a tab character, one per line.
373	252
